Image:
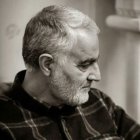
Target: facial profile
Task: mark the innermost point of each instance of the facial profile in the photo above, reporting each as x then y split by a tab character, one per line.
67	39
71	80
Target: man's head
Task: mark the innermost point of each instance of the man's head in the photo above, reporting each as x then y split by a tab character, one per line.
62	44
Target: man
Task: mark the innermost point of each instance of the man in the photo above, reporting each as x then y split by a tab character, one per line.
55	99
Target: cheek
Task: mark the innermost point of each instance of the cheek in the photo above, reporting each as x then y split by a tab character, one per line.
74	74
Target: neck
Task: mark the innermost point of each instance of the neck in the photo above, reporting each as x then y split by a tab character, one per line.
35	84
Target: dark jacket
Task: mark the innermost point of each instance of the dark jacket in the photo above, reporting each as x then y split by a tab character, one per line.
24	118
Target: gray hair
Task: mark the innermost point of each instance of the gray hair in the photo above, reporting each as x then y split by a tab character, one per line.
52	31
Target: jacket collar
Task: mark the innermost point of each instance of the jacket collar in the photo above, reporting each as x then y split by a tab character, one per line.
22	98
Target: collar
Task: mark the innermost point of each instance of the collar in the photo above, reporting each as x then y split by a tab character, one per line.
22	98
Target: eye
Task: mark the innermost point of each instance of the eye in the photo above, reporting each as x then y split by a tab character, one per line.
84	66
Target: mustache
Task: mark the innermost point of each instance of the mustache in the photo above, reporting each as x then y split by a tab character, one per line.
86	85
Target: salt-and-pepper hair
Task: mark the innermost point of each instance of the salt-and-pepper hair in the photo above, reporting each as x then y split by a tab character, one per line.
52	31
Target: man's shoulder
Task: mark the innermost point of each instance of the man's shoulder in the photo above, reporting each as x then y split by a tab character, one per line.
7	105
107	100
4	89
97	96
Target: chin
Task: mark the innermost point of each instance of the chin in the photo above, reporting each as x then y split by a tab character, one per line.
79	99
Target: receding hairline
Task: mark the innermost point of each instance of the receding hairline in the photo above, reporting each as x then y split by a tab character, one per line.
70	19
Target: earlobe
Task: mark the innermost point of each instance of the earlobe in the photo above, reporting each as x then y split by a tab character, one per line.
44	62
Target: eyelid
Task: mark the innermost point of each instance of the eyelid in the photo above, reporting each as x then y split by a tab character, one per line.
84	65
89	62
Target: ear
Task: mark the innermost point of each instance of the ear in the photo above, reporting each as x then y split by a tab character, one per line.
44	62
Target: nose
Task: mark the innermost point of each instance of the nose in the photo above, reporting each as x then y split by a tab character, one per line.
94	74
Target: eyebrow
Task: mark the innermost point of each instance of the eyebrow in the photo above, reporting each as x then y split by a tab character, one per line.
90	60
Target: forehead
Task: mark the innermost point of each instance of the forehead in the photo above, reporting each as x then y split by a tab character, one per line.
86	47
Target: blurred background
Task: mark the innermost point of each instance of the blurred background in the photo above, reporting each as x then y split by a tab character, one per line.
119	22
